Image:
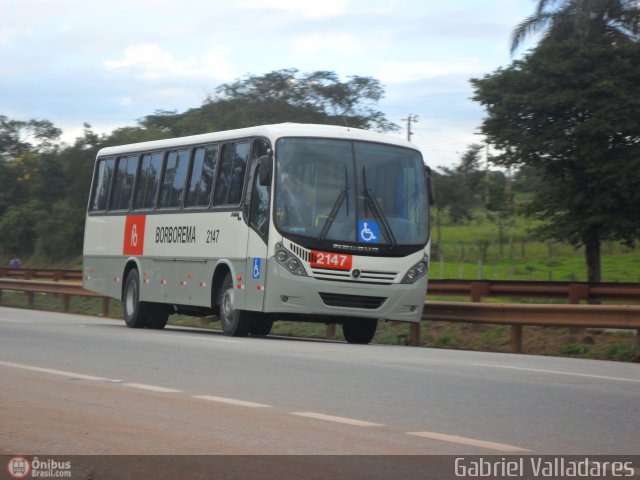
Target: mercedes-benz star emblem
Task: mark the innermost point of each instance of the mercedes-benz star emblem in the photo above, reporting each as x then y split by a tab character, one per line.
355	273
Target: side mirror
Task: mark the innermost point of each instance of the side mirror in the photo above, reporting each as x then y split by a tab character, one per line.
265	170
431	191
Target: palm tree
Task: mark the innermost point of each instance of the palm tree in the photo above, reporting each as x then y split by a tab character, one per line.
560	19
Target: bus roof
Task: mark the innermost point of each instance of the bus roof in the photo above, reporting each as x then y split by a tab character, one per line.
269	131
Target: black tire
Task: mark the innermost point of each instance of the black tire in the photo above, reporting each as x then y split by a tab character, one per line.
158	316
235	323
359	330
136	313
261	326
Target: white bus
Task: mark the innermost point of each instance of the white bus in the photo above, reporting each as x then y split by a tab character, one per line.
279	222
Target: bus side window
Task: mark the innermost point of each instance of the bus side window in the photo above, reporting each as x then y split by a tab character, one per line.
233	166
123	184
175	175
202	176
101	183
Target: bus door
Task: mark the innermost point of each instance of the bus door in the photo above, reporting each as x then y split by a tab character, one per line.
257	211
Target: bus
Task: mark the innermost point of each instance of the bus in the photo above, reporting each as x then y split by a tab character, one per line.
297	222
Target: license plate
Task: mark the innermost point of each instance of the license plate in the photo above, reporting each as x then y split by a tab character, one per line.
335	261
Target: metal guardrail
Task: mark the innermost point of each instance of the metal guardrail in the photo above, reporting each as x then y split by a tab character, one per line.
41	273
516	315
573	292
64	289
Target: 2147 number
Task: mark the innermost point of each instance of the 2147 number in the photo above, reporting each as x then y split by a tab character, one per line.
335	261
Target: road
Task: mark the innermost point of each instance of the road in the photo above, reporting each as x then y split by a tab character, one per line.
72	384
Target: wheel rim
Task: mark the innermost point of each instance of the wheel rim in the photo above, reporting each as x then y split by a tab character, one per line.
227	306
130	301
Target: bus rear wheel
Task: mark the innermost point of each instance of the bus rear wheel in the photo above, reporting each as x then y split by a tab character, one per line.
235	323
158	316
359	330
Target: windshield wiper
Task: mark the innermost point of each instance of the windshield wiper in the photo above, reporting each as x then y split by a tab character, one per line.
375	207
336	207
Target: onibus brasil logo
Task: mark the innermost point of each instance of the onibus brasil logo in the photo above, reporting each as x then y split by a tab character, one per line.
20	467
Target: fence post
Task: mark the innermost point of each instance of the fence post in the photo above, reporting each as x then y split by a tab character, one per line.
516	338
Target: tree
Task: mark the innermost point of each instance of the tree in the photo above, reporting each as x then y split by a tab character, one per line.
281	96
569	110
460	187
619	20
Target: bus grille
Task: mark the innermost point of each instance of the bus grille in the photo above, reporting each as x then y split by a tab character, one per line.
352	301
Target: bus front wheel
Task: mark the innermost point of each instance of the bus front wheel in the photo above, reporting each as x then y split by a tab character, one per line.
359	330
235	323
136	313
261	326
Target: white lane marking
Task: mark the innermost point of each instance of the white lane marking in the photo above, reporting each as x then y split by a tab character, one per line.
555	372
501	447
153	388
331	418
53	372
231	401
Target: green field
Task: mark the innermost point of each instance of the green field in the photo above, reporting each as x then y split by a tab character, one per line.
473	251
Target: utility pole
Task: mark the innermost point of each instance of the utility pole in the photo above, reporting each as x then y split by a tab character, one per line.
487	178
409	119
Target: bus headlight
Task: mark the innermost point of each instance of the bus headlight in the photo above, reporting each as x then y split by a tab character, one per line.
289	261
417	271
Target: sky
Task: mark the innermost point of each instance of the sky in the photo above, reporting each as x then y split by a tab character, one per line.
110	63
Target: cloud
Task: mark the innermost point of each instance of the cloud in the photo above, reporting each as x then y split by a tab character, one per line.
336	43
148	61
399	72
300	9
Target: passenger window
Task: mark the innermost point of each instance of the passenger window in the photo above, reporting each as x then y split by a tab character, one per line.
202	176
231	177
123	184
175	175
101	184
148	181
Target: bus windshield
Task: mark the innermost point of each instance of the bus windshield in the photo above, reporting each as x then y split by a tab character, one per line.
349	191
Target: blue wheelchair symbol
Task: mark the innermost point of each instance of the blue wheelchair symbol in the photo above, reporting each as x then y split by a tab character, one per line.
368	231
256	267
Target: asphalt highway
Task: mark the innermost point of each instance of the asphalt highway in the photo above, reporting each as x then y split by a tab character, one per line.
72	384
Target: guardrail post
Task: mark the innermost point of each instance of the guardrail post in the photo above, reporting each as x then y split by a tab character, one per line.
578	292
105	306
331	330
65	303
516	338
479	290
29	299
414	335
